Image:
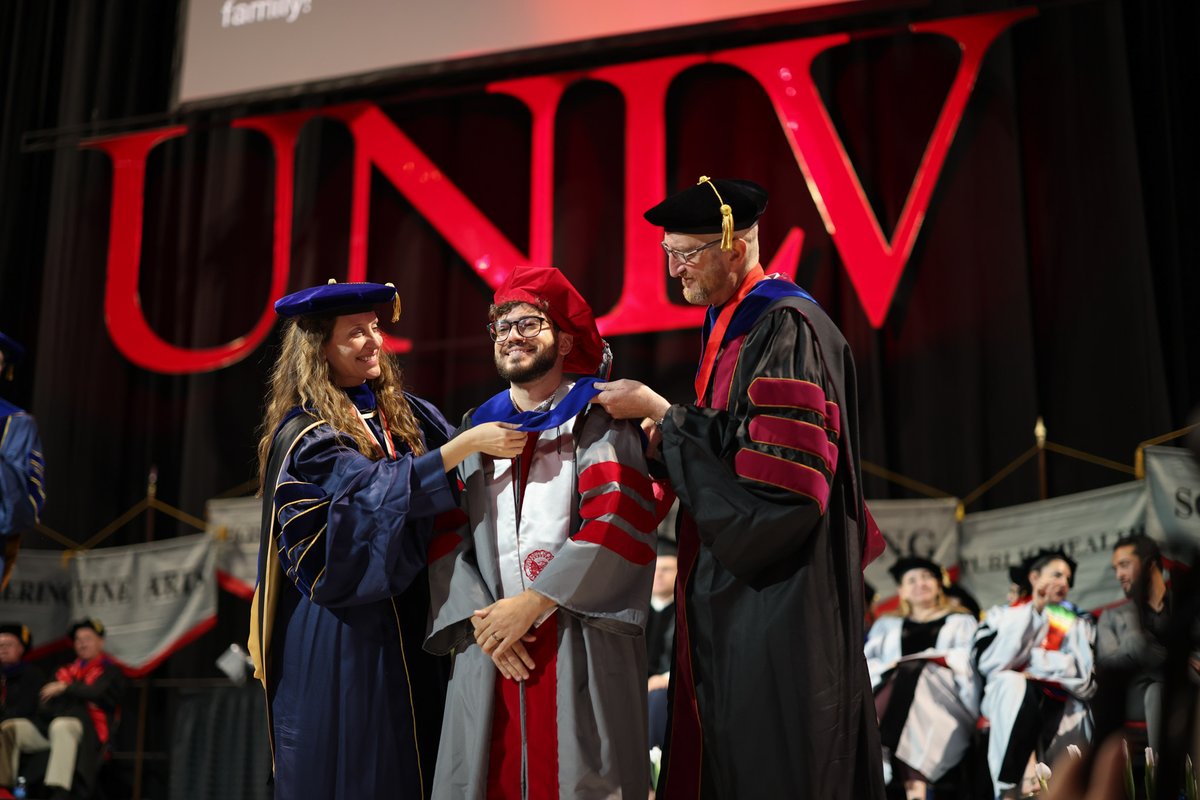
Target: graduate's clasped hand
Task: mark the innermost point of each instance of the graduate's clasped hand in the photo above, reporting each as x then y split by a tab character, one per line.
503	628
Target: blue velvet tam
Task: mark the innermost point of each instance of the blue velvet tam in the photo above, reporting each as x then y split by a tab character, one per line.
12	349
339	299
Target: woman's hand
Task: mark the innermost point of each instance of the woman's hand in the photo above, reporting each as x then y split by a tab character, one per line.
497	439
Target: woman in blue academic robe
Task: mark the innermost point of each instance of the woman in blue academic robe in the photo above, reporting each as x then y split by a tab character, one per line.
354	477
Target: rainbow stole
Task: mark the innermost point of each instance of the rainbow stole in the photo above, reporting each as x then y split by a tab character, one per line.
1061	619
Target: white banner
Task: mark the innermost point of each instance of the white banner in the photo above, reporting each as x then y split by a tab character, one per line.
236	524
1085	525
40	595
1172	495
152	598
925	528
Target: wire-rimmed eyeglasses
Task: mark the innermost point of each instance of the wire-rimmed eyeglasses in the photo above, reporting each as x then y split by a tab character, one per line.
686	256
526	327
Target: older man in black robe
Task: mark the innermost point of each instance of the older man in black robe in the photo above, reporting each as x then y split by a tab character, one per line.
770	693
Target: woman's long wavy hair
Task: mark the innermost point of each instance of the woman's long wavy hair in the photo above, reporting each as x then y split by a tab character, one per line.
301	377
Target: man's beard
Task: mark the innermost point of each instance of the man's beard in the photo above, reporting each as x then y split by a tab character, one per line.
696	295
1139	588
541	364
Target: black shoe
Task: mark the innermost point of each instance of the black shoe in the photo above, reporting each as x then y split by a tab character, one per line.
58	793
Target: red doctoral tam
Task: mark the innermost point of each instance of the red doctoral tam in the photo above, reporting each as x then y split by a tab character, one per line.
549	288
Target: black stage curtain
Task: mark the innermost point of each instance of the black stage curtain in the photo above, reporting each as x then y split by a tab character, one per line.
1052	276
225	727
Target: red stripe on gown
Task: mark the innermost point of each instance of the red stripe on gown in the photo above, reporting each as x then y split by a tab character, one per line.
611	472
541	713
796	434
541	706
617	540
442	545
789	475
620	504
787	393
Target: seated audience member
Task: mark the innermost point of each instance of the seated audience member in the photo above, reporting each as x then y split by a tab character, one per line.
74	717
1131	638
1018	586
1036	661
957	594
926	691
660	638
20	682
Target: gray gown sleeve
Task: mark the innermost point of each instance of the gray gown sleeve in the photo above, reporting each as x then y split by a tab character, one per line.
604	571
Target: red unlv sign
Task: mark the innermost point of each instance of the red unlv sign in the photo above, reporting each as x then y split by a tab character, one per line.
874	259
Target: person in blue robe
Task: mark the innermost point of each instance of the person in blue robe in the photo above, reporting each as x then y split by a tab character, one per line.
22	467
355	478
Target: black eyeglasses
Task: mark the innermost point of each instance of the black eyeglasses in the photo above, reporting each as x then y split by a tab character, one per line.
526	327
685	257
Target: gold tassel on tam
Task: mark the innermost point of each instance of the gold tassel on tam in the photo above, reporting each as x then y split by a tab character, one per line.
726	215
395	304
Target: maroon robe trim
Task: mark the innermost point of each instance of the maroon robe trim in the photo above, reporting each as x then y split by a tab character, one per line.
797	435
788	393
788	475
724	371
716	336
833	418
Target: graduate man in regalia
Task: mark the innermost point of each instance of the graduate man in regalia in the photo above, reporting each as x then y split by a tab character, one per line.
543	595
770	693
